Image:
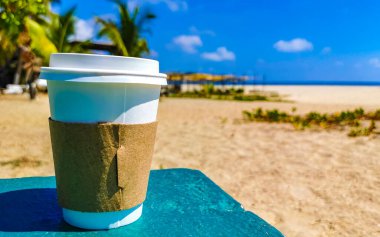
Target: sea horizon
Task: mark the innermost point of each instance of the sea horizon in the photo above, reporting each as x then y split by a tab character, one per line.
282	83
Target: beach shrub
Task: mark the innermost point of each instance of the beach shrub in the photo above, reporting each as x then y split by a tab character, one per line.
250	97
208	91
373	115
362	131
338	120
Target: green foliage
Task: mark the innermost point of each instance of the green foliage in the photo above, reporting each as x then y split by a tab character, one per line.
7	47
21	162
40	43
14	12
273	115
362	131
252	97
126	32
29	25
209	91
30	32
13	20
60	29
110	29
374	115
313	119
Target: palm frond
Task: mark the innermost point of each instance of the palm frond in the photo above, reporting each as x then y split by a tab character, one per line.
125	32
40	43
110	30
7	47
67	22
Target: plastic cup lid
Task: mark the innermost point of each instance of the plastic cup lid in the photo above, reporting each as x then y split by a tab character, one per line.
102	69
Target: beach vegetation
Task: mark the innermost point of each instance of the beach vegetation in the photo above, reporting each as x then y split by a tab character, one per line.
24	43
340	120
363	131
61	30
22	161
21	21
30	32
209	91
125	33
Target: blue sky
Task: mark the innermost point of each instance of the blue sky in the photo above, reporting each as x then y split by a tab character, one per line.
285	40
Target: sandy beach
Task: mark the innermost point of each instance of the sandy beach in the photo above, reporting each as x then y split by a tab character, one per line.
306	183
343	95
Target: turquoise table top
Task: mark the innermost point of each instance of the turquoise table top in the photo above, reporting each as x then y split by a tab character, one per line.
180	202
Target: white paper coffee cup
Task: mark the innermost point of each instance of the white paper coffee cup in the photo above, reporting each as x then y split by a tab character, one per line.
100	88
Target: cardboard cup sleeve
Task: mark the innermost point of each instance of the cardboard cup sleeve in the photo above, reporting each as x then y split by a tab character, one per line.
102	167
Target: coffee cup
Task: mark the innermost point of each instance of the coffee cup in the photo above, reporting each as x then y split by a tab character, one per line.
91	89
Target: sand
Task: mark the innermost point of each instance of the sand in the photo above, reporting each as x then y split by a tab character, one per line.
344	95
305	183
360	96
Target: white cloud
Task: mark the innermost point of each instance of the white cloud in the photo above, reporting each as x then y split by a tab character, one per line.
103	40
84	29
55	8
153	53
132	4
293	46
195	30
108	16
176	5
260	60
375	62
326	50
173	5
221	54
188	43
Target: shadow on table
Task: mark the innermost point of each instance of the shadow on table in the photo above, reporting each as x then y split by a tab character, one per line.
32	210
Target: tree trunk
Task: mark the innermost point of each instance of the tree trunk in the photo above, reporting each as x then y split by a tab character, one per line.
19	69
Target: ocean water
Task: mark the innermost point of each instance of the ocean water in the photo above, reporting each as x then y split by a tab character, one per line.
288	83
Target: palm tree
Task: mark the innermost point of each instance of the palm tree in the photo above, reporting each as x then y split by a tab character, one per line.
7	47
18	19
60	29
21	24
125	34
39	42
